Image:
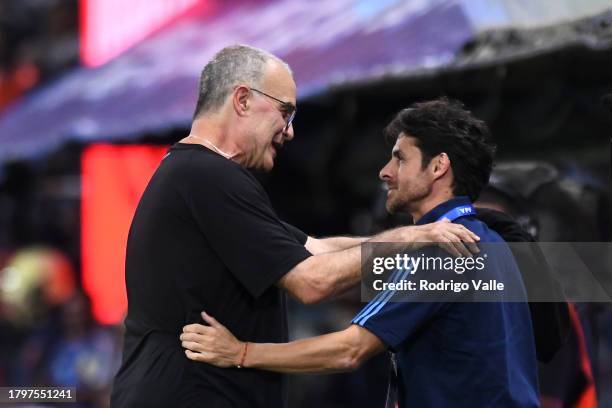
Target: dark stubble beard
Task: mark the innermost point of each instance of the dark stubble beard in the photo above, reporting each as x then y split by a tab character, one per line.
407	205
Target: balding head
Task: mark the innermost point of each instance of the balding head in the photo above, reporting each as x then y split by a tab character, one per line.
230	66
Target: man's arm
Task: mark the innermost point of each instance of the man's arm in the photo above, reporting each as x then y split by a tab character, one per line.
322	245
328	274
340	351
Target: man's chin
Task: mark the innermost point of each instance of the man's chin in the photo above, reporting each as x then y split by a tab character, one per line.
396	207
268	160
391	208
267	166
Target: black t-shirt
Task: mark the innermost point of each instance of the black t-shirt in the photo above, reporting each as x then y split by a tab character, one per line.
204	237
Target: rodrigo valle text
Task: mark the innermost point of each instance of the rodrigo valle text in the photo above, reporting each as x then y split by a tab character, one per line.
491	285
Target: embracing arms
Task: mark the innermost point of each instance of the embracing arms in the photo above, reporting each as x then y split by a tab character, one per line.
330	272
340	351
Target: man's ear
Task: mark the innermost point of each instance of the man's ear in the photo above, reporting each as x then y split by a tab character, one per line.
241	99
441	165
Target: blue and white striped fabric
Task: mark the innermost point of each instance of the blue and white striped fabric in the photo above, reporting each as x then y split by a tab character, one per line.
382	298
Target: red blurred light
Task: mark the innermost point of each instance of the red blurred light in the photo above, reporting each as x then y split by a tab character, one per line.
113	179
109	27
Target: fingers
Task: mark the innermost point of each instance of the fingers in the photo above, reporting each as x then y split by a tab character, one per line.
192	356
210	320
459	246
459	229
464	242
202	357
200	328
208	357
465	234
194	342
463	250
472	247
211	335
212	344
455	238
474	237
450	248
196	328
193	346
463	239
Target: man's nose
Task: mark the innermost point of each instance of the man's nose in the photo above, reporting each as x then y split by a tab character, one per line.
385	174
288	132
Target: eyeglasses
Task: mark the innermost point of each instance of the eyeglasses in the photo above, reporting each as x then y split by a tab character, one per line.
287	109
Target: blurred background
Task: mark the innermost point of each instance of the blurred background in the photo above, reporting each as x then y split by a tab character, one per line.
92	93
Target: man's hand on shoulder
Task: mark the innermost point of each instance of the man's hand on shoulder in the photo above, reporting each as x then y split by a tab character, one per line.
453	238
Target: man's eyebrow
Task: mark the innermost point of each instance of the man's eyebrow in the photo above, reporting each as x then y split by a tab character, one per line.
397	153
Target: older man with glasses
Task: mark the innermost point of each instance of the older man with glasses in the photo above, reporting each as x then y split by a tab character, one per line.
205	237
287	109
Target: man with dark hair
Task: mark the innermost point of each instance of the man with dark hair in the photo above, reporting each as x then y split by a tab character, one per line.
205	237
444	126
448	353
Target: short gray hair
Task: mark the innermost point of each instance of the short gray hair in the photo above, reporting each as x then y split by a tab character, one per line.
232	65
